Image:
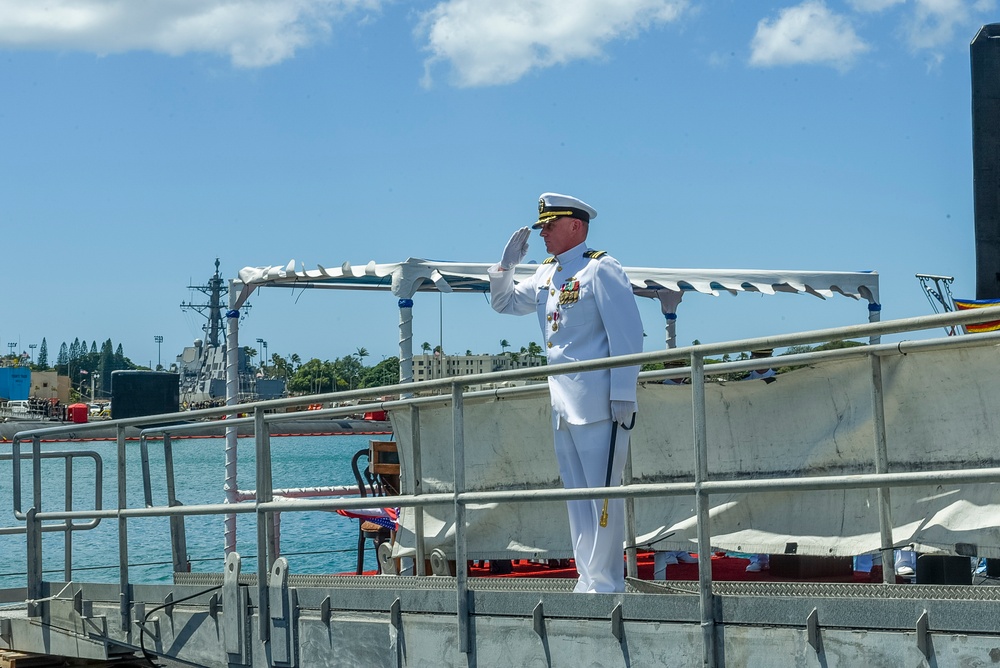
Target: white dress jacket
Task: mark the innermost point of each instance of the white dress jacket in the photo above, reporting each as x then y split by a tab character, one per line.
587	311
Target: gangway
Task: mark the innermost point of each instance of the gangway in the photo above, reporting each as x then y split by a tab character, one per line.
875	396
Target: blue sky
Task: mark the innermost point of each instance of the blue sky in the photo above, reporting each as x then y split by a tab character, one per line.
141	140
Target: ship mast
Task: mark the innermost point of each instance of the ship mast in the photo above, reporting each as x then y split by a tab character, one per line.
215	290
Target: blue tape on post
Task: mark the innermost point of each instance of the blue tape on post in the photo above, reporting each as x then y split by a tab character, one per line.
405	303
874	307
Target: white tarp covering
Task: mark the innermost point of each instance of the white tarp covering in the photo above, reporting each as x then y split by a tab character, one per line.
940	412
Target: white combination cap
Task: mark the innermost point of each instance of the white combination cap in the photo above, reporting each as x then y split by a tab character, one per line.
554	205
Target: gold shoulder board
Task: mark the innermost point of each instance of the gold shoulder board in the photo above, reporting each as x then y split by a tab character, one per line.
549	260
594	255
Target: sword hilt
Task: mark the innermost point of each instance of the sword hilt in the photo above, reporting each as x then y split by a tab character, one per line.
604	514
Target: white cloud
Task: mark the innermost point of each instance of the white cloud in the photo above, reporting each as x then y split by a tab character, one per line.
489	42
807	33
933	22
252	33
871	6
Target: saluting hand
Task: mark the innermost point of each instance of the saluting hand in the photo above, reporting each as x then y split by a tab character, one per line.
516	248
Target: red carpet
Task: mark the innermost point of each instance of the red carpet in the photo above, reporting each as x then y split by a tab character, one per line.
724	568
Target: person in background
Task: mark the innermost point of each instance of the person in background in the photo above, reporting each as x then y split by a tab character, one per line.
586	309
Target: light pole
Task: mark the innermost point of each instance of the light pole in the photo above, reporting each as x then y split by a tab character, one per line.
32	346
159	343
262	349
12	345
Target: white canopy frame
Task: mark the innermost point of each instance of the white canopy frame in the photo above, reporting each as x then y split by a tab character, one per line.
405	279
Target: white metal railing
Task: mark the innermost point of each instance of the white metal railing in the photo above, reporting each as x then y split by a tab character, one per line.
701	488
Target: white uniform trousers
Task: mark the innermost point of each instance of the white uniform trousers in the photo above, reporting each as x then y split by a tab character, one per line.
582	453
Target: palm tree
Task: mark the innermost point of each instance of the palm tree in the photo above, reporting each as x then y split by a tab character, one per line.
426	347
362	353
504	345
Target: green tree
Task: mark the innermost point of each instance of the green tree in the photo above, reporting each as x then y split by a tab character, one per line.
250	354
312	377
106	365
426	347
504	345
279	366
43	355
385	372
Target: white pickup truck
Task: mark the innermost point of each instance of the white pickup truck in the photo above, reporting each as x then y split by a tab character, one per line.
17	408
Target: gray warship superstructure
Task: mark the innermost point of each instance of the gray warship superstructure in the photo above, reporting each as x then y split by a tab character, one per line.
202	366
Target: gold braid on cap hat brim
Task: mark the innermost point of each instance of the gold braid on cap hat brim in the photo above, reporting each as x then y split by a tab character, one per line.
547	216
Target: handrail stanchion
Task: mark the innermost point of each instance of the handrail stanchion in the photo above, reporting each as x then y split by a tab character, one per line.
178	535
631	552
15	458
461	550
147	477
420	565
698	419
36	473
882	466
123	574
33	540
68	536
265	527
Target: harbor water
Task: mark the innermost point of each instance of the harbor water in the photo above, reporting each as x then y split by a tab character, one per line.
313	542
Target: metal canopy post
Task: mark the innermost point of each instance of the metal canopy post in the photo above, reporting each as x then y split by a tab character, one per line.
232	398
706	600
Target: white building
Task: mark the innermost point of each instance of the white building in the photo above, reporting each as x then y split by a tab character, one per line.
430	366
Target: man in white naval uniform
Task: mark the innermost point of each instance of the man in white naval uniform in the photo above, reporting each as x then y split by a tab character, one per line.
586	310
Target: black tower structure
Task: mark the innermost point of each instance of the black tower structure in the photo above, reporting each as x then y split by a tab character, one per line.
985	58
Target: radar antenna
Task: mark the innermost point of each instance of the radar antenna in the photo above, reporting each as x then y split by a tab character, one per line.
215	290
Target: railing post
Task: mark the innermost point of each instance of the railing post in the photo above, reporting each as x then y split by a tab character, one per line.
461	550
420	565
68	536
36	473
706	599
33	536
882	466
631	553
265	529
124	594
178	534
